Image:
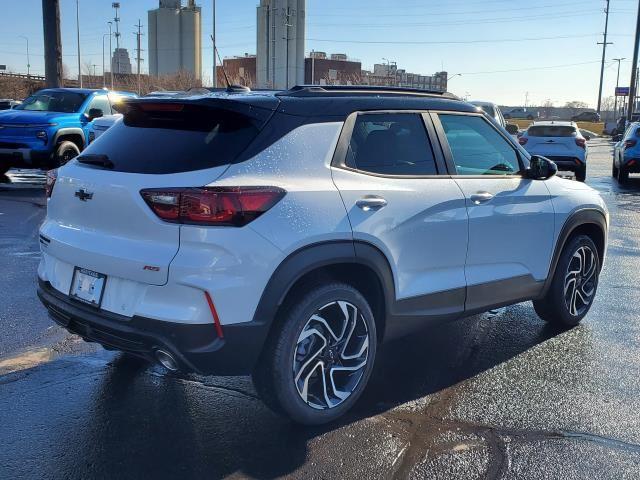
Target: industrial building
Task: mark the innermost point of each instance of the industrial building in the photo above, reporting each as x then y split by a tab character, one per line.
241	70
280	43
384	74
175	38
336	69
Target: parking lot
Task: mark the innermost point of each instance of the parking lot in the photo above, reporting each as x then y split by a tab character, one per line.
497	395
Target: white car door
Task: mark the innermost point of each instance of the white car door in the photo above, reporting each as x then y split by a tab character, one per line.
390	180
511	218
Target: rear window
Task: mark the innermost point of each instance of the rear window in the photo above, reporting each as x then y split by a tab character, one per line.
488	109
551	131
164	141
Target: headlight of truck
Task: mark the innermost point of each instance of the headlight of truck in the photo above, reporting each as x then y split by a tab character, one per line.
42	135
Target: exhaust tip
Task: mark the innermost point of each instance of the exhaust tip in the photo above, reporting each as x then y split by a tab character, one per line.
167	360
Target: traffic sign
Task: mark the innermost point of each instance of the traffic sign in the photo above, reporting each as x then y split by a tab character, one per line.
622	91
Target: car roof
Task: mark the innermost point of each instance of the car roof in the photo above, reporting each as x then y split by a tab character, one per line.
338	101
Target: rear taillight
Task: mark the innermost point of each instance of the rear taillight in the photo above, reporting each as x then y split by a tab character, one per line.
52	175
581	142
218	206
630	143
523	140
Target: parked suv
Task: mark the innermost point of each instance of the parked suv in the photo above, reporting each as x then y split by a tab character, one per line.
626	154
561	142
51	126
290	235
521	113
586	117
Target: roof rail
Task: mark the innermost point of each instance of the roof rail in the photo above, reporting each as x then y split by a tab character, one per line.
318	90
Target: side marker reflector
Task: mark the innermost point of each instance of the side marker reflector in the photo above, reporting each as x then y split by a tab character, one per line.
214	314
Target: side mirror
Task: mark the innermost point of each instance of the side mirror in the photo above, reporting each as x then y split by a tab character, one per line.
95	113
512	128
541	168
617	138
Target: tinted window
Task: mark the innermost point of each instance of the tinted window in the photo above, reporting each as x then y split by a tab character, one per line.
477	148
391	144
101	102
488	109
53	101
171	142
551	131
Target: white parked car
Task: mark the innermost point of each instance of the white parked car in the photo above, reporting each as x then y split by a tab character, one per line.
559	141
291	235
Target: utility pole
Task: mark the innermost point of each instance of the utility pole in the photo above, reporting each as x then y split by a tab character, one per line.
52	43
287	25
78	37
213	37
634	71
28	62
138	59
604	54
615	98
116	6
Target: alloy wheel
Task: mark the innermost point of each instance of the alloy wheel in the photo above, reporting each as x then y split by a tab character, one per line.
331	355
580	280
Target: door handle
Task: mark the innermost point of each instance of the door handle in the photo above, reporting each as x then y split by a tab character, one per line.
371	203
481	197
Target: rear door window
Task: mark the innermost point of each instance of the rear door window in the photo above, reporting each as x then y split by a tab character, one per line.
162	141
391	144
551	131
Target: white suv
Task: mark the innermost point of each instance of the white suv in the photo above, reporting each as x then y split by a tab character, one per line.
561	142
289	235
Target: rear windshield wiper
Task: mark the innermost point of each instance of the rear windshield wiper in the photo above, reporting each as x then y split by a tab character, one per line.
96	160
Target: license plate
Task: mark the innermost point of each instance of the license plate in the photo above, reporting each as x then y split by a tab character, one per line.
87	286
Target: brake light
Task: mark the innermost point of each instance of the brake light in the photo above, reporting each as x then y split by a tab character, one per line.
217	206
581	142
523	140
630	143
52	176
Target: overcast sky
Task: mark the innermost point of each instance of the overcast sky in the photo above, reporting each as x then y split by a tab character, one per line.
502	48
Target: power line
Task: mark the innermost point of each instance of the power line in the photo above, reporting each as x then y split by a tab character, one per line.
449	42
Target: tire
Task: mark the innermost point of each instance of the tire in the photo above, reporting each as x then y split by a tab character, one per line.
529	117
623	175
579	264
614	169
65	151
581	175
288	361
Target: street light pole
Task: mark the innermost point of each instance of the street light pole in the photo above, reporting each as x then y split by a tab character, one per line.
615	101
634	72
110	58
104	80
28	62
78	37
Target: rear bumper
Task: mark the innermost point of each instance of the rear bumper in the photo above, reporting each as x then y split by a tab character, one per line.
570	164
195	347
23	157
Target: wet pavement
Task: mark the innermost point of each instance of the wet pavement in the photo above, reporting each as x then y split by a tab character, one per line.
498	395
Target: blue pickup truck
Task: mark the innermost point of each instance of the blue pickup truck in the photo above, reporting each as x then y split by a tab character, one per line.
51	126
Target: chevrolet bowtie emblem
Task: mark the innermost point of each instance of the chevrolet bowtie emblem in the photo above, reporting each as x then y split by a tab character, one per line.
83	195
